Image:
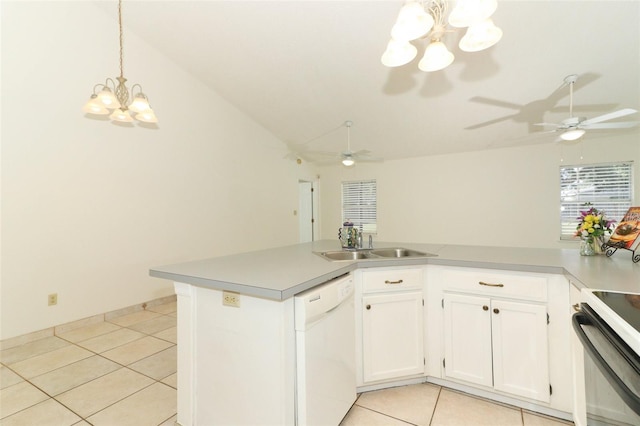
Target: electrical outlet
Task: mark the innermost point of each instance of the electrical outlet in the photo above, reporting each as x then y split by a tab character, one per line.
231	299
52	299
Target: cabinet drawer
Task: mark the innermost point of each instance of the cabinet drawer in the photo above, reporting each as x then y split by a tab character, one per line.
496	283
391	280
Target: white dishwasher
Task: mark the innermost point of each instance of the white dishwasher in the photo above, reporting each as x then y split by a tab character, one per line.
325	353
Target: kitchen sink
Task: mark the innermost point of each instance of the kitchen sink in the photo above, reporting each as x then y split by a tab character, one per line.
399	252
372	254
346	255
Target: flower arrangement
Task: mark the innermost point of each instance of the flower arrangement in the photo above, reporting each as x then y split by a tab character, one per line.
593	224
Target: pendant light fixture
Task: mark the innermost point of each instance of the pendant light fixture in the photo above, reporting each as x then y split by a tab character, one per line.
427	19
114	99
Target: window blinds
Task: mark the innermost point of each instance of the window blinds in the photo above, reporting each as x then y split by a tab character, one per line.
359	204
608	187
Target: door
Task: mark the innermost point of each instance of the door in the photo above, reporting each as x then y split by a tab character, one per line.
392	336
520	349
306	209
467	338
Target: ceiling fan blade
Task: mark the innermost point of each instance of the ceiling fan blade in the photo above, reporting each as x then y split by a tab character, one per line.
362	152
370	160
546	124
620	125
610	116
585	108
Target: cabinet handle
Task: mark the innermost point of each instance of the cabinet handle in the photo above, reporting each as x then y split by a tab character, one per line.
490	285
485	308
393	282
496	310
368	307
576	307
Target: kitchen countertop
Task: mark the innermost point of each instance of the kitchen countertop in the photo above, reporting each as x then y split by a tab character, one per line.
283	272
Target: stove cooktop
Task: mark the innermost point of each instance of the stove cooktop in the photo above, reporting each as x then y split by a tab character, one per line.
625	305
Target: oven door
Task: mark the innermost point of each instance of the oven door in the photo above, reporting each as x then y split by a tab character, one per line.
611	372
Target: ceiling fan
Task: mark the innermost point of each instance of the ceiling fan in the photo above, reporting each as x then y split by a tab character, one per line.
573	128
347	157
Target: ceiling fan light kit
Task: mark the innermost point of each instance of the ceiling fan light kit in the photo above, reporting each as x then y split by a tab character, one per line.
112	99
572	135
426	19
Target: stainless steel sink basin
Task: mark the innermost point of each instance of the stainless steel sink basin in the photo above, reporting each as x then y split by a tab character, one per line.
346	255
398	252
372	254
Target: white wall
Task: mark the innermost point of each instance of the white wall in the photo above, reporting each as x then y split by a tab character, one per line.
87	206
502	197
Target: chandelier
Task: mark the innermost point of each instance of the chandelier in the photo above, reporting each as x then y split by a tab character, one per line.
113	99
426	19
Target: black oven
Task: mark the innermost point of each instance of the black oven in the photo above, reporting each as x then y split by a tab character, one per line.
611	362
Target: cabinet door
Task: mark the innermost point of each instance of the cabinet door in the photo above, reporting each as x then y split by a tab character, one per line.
520	349
467	338
392	336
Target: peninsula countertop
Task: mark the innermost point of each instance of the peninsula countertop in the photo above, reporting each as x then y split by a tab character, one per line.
282	272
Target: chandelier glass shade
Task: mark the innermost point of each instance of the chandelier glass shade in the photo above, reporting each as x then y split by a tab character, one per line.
112	98
427	19
398	53
436	57
480	36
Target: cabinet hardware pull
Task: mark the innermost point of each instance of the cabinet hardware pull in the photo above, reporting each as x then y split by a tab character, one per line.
393	282
496	311
490	285
576	307
368	306
485	308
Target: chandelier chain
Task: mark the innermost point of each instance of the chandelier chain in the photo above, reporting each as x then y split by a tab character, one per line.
121	39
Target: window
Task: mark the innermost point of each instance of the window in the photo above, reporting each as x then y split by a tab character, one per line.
609	187
359	204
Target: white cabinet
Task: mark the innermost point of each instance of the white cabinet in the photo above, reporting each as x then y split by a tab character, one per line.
495	341
392	321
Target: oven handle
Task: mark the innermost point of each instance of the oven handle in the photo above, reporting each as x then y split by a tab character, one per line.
627	395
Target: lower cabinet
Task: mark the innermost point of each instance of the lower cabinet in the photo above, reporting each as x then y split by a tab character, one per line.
390	322
497	343
392	335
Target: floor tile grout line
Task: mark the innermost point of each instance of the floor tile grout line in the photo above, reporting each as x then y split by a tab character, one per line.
435	406
385	414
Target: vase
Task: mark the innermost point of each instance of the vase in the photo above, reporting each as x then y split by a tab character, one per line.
586	248
598	242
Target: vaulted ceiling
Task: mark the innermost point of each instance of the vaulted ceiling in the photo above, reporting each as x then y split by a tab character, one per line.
302	68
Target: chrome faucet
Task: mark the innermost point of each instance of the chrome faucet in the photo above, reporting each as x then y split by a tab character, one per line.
370	241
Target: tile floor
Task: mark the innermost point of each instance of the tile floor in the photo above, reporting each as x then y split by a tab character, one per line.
123	372
430	405
118	372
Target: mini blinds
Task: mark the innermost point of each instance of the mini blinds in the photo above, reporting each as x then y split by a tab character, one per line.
608	187
360	205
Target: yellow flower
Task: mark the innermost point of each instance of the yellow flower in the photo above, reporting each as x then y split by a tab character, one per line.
590	230
589	218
